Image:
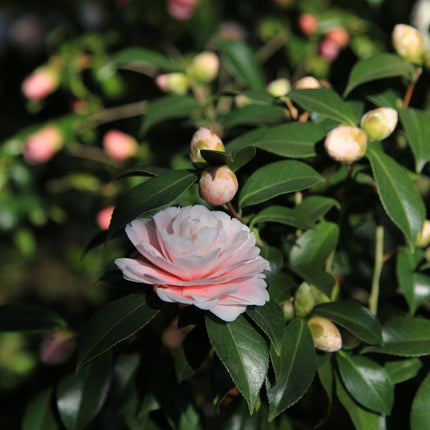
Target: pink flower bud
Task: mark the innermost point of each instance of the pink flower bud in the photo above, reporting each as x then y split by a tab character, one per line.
42	82
41	146
308	23
181	9
218	185
408	43
279	87
174	83
57	346
346	143
204	67
119	146
423	238
306	83
104	216
329	49
339	36
204	138
325	334
379	123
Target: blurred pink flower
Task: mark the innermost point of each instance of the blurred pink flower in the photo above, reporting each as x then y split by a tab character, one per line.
181	9
104	216
119	145
198	257
56	346
41	146
42	82
308	23
329	49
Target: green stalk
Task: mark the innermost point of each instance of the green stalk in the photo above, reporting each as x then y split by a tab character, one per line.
379	262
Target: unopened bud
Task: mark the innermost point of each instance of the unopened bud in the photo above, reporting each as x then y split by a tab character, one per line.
288	310
174	83
325	334
119	145
204	67
104	217
218	185
346	143
181	9
303	300
408	43
241	101
306	83
423	238
329	49
56	346
42	82
339	36
279	87
204	138
379	123
308	23
41	146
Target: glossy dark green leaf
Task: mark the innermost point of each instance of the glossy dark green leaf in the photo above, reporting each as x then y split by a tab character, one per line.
112	324
367	382
402	370
294	367
135	56
326	377
386	98
315	207
405	269
282	215
281	287
310	252
353	317
362	418
20	317
247	139
214	158
271	320
254	115
398	194
416	124
324	101
243	352
143	171
241	62
275	179
380	66
152	195
240	157
168	107
81	396
123	373
38	414
420	411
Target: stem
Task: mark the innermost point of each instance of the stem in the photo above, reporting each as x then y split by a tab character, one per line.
233	212
411	88
207	108
271	47
379	262
120	112
90	153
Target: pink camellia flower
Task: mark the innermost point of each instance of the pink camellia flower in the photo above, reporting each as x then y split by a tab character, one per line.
119	145
198	257
104	216
41	146
218	185
42	82
308	23
56	346
181	9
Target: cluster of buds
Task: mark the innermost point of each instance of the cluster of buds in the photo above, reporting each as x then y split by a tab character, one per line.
409	43
218	184
42	82
120	146
41	146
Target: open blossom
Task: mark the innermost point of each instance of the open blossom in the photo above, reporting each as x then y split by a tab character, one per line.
198	257
119	145
41	146
42	82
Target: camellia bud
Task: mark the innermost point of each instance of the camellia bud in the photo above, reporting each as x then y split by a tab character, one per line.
174	83
339	36
42	82
204	138
346	143
307	83
119	145
325	334
379	123
303	300
181	9
56	346
279	87
104	216
423	238
204	67
408	43
218	185
308	23
41	146
329	49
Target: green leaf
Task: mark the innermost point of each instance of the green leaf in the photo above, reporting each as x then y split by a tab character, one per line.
17	317
420	411
315	207
114	323
142	171
150	196
326	377
241	62
324	101
367	382
215	158
80	397
135	56
405	270
275	179
380	66
310	252
240	157
294	367
386	98
38	414
282	215
123	373
352	317
398	194
168	107
417	128
243	352
271	320
403	370
361	418
254	115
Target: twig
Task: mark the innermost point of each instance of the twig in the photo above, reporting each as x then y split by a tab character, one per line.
119	112
411	87
233	212
379	262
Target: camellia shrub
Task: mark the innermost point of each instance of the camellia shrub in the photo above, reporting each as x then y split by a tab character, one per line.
272	265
